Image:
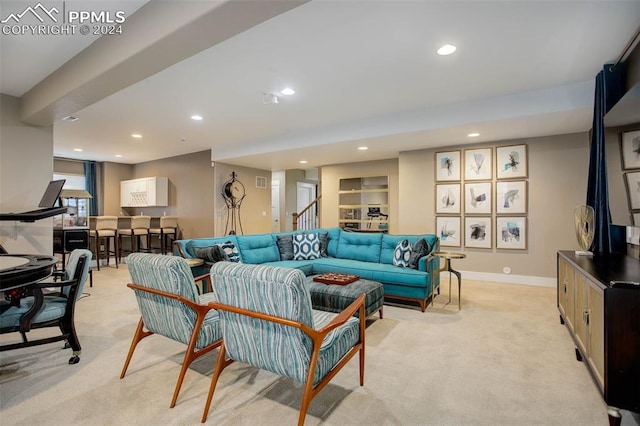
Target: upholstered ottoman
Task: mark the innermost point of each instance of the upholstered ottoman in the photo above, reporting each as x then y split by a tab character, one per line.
334	298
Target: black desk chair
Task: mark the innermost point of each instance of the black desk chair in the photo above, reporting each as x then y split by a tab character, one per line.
40	310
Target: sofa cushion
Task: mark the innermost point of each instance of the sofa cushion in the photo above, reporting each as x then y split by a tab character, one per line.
259	248
285	246
359	246
402	254
373	271
306	247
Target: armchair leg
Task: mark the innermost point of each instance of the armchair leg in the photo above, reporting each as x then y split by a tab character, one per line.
221	363
192	354
139	335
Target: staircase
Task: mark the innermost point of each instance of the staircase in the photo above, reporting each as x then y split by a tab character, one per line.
308	217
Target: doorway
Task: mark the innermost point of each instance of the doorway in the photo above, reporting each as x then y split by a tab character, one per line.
275	206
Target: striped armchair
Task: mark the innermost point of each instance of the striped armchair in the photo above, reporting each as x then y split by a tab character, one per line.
267	322
168	299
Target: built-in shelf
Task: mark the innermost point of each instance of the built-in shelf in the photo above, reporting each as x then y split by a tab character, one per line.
364	203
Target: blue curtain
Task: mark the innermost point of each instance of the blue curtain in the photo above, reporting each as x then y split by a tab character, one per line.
609	89
91	183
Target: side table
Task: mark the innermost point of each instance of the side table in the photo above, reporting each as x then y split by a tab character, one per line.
447	256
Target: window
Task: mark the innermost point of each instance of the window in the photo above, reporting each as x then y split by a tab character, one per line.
73	181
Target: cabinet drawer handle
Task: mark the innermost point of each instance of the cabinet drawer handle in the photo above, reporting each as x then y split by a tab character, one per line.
585	317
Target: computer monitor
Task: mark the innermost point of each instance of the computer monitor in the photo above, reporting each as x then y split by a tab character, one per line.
52	193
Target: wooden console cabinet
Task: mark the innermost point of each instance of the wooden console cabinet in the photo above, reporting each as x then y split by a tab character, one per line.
604	322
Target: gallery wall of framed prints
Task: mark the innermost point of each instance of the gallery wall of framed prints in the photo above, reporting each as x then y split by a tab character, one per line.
482	197
630	151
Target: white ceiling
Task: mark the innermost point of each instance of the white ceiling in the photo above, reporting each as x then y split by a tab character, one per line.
365	72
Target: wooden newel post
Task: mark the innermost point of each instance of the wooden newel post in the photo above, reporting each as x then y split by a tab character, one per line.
295	221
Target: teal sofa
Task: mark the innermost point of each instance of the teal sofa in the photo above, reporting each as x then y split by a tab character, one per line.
369	255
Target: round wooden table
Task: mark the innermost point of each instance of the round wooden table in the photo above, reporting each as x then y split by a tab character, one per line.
447	256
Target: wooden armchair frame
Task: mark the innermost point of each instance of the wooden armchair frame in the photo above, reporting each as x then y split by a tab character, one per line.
317	336
191	353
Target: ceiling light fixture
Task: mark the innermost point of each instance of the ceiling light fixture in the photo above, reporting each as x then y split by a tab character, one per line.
288	91
136	135
303	161
70	118
196	117
77	149
447	49
473	135
363	148
118	155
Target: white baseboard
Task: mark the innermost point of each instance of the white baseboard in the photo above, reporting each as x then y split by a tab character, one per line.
503	278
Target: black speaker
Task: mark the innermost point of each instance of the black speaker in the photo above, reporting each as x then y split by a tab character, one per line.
66	240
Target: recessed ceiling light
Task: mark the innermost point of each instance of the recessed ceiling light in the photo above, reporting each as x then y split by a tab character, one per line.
288	91
303	161
473	135
118	155
70	118
77	149
363	148
447	49
136	135
196	117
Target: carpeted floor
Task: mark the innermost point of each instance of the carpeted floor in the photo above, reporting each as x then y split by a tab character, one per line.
504	359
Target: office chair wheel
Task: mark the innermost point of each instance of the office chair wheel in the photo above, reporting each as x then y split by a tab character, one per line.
74	359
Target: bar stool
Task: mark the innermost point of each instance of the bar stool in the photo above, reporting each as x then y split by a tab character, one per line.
168	229
106	229
139	227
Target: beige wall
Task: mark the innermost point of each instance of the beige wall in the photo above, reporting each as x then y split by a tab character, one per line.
191	192
26	167
554	162
331	175
109	181
558	169
255	210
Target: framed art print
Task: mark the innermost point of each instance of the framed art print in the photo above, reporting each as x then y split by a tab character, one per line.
630	150
448	166
511	197
478	164
477	198
511	162
477	232
511	232
448	198
448	230
632	180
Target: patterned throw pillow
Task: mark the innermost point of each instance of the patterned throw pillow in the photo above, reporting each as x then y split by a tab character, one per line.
231	251
402	254
306	247
420	248
285	246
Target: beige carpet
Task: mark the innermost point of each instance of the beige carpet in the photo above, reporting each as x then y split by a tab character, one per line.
503	360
